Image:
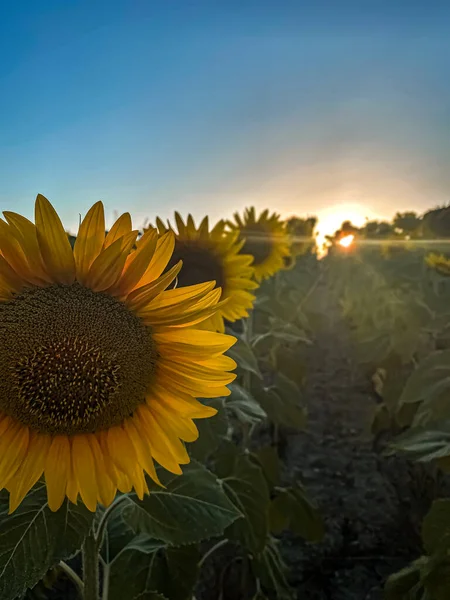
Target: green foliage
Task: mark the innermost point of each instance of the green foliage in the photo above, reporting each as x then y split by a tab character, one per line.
145	566
245	485
436	528
244	406
211	432
245	358
425	445
398	314
282	402
33	539
292	509
427	578
268	460
188	509
429	385
269	568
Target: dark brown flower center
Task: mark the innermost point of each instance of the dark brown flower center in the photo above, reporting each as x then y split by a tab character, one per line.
72	360
200	264
258	242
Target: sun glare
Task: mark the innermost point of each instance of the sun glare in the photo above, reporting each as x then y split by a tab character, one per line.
332	217
347	240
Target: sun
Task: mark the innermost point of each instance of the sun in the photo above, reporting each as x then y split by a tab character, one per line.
347	241
332	217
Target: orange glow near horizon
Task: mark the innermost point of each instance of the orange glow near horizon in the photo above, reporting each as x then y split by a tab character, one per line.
347	240
332	217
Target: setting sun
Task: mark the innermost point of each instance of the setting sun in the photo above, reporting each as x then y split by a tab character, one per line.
331	219
347	241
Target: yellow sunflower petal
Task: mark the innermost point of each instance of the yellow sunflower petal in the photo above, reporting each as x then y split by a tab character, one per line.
162	255
30	470
142	449
14	254
180	223
89	242
120	228
72	489
192	387
17	437
121	450
54	243
57	467
198	372
8	277
160	226
162	450
107	268
138	263
142	296
106	489
181	427
27	237
84	470
202	344
185	405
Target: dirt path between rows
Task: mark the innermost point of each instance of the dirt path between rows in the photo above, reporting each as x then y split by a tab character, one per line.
368	501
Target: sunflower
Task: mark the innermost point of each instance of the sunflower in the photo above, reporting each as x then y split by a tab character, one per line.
265	238
213	255
100	367
289	262
301	232
439	263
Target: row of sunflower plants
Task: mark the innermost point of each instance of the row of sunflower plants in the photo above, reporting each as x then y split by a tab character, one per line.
130	453
425	441
397	311
397	306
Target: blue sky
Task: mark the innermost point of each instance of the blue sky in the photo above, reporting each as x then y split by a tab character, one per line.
211	106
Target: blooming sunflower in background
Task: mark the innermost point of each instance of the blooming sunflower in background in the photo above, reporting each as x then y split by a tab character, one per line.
301	232
289	263
439	263
265	238
99	364
213	255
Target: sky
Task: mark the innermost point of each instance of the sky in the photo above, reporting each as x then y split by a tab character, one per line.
334	108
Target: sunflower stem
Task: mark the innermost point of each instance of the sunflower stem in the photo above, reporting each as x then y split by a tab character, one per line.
207	554
104	520
90	568
248	334
76	580
105	593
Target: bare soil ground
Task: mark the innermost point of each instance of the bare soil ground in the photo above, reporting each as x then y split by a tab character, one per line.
373	505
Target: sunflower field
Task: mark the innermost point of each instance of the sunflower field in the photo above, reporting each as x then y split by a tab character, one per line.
214	411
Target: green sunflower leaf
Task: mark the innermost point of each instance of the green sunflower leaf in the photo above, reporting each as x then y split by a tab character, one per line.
436	527
292	509
404	583
430	383
246	486
34	538
268	459
282	402
211	432
244	407
245	357
192	507
269	568
425	445
145	569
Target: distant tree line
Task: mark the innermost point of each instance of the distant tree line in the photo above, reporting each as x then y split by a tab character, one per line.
433	224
